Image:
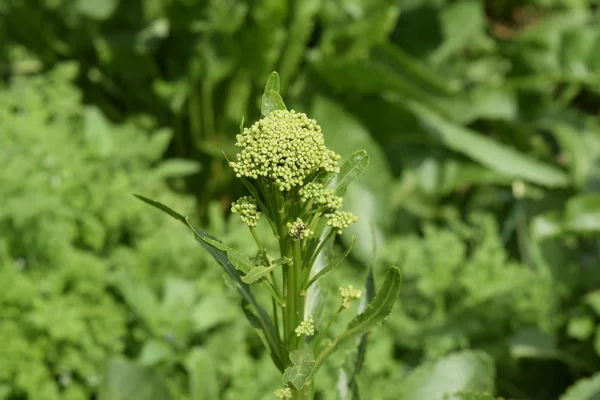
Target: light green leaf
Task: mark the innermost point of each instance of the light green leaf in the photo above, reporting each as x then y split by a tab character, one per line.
202	375
212	310
125	380
304	362
97	9
375	313
584	389
271	100
470	396
175	168
582	214
488	152
593	299
257	273
349	171
97	132
462	371
332	265
154	352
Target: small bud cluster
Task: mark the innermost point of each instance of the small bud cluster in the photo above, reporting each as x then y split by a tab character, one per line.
306	327
324	197
349	294
340	220
299	230
246	207
285	147
284	394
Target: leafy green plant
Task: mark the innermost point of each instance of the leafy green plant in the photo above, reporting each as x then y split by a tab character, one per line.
294	180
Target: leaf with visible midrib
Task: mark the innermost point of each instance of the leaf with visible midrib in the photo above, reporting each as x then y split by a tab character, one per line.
271	100
375	313
304	362
258	272
350	170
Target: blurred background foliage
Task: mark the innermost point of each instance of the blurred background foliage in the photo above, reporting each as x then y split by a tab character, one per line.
480	118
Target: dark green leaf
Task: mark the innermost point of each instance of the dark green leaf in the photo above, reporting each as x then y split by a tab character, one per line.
375	313
331	266
304	362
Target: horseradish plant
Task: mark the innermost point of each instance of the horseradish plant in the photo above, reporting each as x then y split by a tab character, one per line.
297	185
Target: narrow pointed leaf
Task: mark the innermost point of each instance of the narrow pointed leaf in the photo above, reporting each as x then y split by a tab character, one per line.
257	273
332	265
349	171
375	313
304	362
243	289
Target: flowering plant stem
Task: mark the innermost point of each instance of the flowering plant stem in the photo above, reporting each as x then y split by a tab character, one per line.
296	183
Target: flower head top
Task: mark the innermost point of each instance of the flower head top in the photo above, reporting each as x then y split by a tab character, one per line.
349	294
306	327
246	207
284	147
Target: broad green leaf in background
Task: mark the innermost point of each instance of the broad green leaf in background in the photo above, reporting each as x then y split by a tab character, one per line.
462	371
375	313
533	343
304	362
97	132
203	382
175	168
154	352
125	380
488	152
584	389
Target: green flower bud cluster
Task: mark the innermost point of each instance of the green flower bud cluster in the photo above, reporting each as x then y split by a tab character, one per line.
323	197
284	394
306	327
246	207
299	230
340	220
349	294
285	147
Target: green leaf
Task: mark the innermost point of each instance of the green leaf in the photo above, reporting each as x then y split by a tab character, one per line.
582	214
593	299
488	152
533	343
462	371
202	375
175	168
584	389
348	377
154	352
375	313
349	171
240	261
271	100
257	273
125	380
470	396
243	289
304	362
332	265
95	9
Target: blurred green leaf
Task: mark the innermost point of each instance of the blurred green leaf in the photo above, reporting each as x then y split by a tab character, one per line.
203	381
488	152
125	380
462	371
584	389
533	343
99	10
582	213
154	352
